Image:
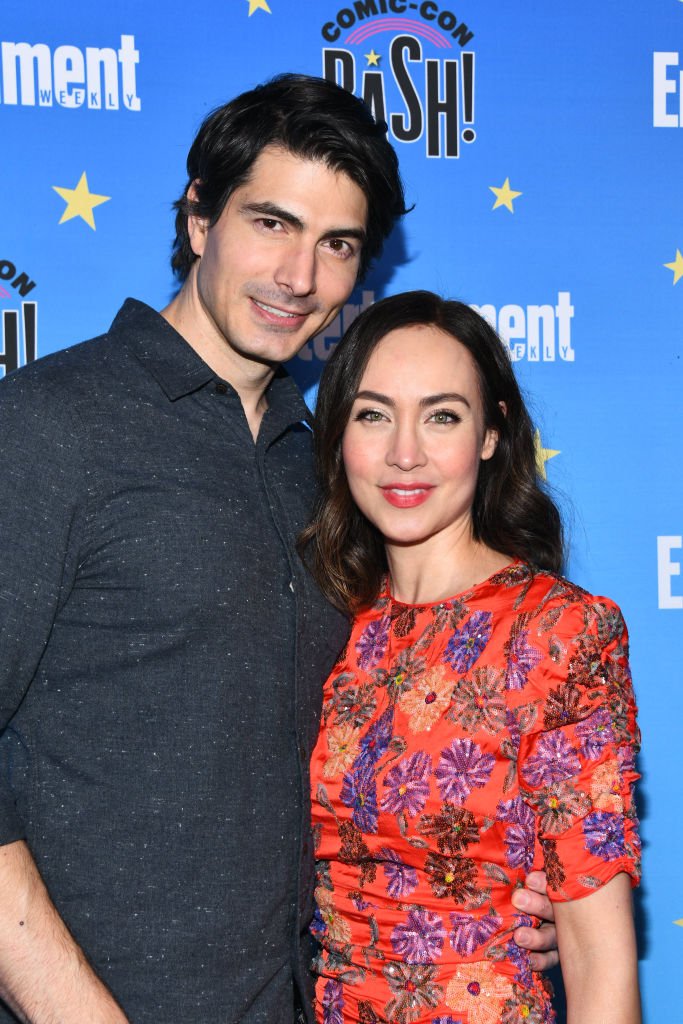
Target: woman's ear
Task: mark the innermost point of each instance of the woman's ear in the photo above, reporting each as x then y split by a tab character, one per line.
490	444
491	436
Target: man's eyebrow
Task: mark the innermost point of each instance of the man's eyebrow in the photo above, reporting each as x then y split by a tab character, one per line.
357	233
428	400
279	213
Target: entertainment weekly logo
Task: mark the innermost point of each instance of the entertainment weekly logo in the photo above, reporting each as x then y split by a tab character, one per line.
535	333
670	594
19	341
101	78
667	81
406	78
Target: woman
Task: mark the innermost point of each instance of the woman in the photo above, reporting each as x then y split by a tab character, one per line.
481	719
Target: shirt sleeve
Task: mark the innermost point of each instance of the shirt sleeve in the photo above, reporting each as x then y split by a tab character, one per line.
41	488
577	762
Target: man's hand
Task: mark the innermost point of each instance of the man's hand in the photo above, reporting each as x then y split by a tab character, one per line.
541	942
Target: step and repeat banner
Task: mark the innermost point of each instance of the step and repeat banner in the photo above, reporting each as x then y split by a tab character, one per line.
542	146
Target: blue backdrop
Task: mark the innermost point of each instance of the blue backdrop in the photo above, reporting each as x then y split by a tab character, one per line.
541	144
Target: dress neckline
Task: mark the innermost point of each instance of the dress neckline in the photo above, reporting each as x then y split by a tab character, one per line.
492	580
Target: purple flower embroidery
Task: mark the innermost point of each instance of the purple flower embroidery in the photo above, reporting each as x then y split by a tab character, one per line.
554	761
514	810
469	933
407	785
401	879
419	939
462	767
376	741
520	958
359	791
372	643
333	1002
604	834
467	643
317	926
595	732
519	834
522	657
626	759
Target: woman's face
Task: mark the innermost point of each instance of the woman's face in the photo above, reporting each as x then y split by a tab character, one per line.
415	437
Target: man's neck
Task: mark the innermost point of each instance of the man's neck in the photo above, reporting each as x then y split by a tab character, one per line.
249	378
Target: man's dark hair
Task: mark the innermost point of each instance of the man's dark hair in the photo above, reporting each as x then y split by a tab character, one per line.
512	512
310	117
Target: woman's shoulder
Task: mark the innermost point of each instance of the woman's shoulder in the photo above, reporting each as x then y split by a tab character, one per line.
550	600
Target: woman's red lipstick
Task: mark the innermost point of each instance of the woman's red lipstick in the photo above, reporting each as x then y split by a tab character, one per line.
406	495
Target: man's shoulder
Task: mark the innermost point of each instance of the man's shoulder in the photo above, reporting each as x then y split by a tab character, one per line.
70	372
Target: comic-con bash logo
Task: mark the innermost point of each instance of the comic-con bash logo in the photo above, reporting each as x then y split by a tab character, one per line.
403	59
19	342
99	77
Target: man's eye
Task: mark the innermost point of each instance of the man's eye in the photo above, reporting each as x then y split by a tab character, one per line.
269	223
341	247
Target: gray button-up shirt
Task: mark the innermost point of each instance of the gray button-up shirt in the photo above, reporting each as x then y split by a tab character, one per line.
161	658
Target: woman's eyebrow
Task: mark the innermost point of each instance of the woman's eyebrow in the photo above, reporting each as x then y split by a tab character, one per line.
443	396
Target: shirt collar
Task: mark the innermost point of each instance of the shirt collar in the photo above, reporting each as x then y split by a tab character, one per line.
179	371
163	352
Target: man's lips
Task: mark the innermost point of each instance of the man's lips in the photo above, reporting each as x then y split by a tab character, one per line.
280	315
403	495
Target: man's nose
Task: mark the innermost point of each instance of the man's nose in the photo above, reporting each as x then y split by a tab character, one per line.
297	270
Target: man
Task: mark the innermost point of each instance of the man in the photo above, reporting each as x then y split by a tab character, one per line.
162	646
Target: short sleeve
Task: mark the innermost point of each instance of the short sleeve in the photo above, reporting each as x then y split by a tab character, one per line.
577	763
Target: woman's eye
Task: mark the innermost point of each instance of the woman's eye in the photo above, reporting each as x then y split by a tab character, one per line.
443	416
370	415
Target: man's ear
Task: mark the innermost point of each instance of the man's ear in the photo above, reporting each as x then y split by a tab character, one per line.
197	227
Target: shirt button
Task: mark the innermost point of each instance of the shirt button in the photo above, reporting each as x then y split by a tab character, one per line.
221	388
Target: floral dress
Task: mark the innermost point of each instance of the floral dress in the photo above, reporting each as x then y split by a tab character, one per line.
462	744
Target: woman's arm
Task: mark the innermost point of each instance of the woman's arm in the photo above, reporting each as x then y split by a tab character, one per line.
597	943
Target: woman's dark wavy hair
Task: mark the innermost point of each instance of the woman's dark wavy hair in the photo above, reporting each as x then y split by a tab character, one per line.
512	513
313	119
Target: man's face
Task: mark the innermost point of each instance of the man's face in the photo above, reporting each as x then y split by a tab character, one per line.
282	258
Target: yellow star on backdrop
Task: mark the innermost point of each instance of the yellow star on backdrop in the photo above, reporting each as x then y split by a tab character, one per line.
676	266
504	195
679	922
258	5
542	455
80	201
372	58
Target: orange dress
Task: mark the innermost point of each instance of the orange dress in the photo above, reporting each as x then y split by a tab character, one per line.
461	744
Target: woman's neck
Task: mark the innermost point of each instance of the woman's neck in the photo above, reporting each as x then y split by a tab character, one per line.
436	569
